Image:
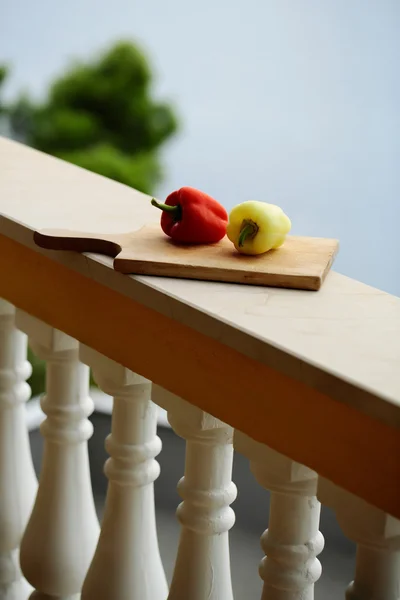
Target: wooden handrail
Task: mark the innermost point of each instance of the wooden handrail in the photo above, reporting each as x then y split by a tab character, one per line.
313	375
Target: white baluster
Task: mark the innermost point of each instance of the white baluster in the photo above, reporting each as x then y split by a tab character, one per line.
202	569
62	532
292	541
127	563
377	535
17	476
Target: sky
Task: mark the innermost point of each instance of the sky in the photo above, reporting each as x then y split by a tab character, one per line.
294	102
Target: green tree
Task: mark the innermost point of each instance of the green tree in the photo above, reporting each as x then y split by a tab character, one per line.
100	115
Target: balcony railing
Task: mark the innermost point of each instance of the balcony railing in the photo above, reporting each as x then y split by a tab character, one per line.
306	385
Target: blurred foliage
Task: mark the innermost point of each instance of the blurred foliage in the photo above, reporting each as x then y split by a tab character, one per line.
100	115
3	75
37	380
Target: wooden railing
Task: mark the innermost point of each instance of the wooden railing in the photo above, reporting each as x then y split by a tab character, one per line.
306	385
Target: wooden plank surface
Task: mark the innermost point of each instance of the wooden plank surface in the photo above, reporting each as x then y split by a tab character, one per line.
301	263
344	340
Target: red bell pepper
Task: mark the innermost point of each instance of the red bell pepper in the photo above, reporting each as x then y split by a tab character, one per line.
192	217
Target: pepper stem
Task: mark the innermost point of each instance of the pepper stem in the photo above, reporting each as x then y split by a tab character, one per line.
249	230
175	210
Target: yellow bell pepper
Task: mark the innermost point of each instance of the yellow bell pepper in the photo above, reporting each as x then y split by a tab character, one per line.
257	227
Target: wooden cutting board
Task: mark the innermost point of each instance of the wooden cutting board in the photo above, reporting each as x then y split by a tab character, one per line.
301	263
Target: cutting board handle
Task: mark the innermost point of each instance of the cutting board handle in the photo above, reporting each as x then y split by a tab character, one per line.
63	239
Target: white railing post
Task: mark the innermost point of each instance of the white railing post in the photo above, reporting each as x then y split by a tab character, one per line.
127	562
377	575
202	569
292	541
18	482
62	531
